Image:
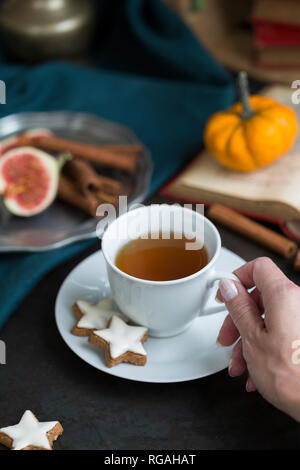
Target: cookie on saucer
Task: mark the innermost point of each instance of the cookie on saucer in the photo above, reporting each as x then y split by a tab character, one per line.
93	316
121	342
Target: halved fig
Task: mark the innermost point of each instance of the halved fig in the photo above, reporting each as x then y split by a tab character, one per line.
28	180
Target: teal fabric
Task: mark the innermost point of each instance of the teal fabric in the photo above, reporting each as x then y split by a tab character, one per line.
150	75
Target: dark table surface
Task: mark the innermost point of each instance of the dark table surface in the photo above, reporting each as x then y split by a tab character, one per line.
99	411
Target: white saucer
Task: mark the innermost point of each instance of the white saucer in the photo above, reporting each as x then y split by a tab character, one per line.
190	355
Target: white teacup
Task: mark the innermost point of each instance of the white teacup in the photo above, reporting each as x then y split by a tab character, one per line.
165	307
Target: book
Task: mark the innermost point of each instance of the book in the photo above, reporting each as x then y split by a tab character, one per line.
269	34
223	29
285	57
271	193
276	33
277	11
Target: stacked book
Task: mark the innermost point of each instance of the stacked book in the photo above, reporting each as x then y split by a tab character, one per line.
276	30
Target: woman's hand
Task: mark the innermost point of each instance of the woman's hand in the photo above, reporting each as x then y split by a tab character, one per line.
269	347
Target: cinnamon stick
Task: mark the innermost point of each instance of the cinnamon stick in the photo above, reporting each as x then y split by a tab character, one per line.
83	187
68	192
252	230
97	154
88	180
133	149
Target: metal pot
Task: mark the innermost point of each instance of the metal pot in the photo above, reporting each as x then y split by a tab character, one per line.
36	30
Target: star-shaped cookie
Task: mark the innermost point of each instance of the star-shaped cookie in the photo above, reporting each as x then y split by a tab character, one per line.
93	316
121	342
30	434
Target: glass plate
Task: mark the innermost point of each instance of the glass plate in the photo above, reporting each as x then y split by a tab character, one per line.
62	224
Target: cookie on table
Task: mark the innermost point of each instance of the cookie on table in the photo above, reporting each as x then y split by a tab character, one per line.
121	342
30	433
93	316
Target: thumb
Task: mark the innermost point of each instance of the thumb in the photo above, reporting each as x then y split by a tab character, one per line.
243	310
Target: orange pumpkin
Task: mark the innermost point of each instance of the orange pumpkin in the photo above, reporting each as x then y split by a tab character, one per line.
250	134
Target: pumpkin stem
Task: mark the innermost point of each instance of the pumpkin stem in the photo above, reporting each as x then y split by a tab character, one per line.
243	88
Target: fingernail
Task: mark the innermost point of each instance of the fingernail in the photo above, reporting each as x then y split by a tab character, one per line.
228	289
218	343
229	368
218	300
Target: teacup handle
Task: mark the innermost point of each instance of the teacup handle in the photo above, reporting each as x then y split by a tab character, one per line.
213	277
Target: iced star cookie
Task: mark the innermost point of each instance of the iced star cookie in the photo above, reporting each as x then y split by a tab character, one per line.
121	342
30	434
93	317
